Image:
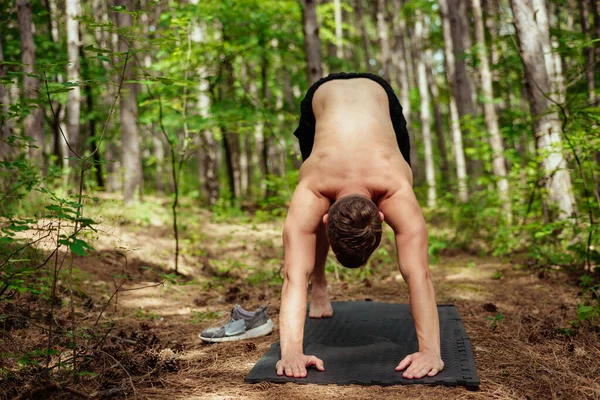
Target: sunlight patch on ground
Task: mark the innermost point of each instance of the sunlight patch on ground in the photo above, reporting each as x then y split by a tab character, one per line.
462	291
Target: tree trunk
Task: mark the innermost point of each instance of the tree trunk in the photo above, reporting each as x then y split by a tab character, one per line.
231	139
437	113
595	5
34	122
464	90
59	127
158	151
490	12
267	138
93	120
362	32
400	63
491	119
339	45
130	140
546	125
384	43
74	96
244	166
450	67
461	42
420	37
588	51
258	139
559	80
312	42
208	144
6	151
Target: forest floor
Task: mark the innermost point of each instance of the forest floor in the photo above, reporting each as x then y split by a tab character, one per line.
225	261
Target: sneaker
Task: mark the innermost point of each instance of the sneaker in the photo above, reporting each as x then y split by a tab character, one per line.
242	325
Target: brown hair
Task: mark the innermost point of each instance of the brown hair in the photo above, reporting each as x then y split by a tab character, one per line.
353	229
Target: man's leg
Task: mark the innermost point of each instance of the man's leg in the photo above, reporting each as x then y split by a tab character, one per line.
320	305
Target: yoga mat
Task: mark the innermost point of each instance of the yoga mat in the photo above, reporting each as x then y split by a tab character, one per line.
364	341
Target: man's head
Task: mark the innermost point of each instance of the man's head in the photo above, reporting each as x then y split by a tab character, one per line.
353	229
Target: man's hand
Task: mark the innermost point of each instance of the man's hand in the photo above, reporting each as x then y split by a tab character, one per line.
296	365
420	364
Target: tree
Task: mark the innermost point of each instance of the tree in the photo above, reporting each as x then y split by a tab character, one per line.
450	67
399	61
438	118
546	124
362	32
34	121
130	139
5	123
384	43
339	44
74	98
420	37
491	119
312	41
208	144
588	51
461	44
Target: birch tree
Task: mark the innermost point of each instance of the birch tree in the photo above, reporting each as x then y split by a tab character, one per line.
207	149
491	118
74	97
420	37
437	114
400	63
546	124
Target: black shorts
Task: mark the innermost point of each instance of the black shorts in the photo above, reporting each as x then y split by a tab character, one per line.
306	128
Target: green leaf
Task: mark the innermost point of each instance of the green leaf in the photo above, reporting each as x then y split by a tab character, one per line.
166	81
118	8
6	240
585	312
61	90
97	50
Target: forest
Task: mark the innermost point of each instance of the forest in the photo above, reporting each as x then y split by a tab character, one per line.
147	160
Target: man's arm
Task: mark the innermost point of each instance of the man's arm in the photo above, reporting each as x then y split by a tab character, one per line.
403	214
299	243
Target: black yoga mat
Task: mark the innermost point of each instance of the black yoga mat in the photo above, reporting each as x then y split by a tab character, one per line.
364	341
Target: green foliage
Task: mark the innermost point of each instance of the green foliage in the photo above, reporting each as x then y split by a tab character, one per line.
142	314
589	309
197	317
493	321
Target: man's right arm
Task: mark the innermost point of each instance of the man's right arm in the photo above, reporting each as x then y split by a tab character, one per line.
299	241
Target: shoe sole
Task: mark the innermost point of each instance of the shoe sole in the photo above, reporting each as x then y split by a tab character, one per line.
259	331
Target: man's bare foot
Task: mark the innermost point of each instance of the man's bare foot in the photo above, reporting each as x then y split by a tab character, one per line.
320	305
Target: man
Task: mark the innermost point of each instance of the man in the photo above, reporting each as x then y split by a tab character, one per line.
356	174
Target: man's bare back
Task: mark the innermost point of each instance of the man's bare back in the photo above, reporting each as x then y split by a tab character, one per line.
355	148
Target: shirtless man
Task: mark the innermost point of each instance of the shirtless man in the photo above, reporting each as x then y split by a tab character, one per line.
356	173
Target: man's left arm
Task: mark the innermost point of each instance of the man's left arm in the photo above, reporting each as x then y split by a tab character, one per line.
402	212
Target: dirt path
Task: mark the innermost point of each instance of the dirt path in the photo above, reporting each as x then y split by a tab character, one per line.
526	356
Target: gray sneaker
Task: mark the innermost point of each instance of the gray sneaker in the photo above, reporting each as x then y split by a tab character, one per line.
242	325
